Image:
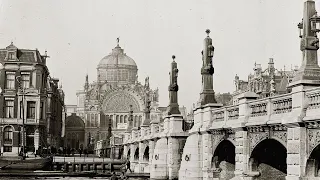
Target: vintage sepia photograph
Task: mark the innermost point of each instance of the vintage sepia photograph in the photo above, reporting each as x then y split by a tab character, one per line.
159	89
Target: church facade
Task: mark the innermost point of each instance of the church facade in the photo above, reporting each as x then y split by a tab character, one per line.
107	101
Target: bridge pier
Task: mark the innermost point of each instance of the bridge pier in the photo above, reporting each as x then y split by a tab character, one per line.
207	153
296	153
167	152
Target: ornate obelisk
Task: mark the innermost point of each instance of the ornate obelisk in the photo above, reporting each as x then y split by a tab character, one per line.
309	72
207	94
173	107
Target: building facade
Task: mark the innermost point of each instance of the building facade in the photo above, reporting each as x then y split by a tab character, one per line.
264	82
110	96
32	104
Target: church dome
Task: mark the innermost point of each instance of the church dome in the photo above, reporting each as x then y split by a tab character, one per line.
116	57
74	121
117	67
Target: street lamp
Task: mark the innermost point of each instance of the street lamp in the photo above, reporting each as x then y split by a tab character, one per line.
18	78
315	23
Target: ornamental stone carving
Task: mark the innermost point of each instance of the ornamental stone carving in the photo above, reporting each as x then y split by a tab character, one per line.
281	135
120	102
232	137
314	139
216	139
256	138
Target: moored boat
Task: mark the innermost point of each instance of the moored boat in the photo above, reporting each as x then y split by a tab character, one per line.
31	164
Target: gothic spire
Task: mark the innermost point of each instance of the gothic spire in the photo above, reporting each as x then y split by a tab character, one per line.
86	85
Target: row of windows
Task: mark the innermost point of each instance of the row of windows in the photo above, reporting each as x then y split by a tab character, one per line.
31	109
119	75
11	78
92	123
92	117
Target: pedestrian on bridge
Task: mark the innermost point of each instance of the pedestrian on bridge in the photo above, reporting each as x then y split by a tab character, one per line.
128	165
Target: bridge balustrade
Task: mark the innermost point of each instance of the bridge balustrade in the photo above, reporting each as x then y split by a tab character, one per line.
233	112
313	96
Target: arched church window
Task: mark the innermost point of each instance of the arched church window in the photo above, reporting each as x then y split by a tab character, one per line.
121	119
88	123
125	119
96	121
111	119
140	121
135	121
92	122
117	121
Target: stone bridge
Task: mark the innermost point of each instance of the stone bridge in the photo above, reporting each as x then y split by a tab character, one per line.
277	137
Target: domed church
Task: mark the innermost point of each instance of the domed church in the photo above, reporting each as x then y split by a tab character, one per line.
109	99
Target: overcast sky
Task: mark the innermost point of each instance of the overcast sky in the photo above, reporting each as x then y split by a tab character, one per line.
77	34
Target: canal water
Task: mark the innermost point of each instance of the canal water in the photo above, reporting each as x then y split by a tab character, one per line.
68	178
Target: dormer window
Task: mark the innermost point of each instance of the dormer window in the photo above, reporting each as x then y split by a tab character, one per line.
11	56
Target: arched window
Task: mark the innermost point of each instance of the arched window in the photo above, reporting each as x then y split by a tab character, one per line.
117	121
135	121
96	120
121	119
110	119
7	135
88	123
140	121
125	119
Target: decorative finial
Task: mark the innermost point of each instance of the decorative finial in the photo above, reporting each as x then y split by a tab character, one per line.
118	40
173	57
208	32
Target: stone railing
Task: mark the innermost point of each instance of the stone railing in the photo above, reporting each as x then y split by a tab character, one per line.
282	104
233	112
258	108
262	107
218	115
313	96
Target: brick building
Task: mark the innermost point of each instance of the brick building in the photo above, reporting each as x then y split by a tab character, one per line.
29	96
